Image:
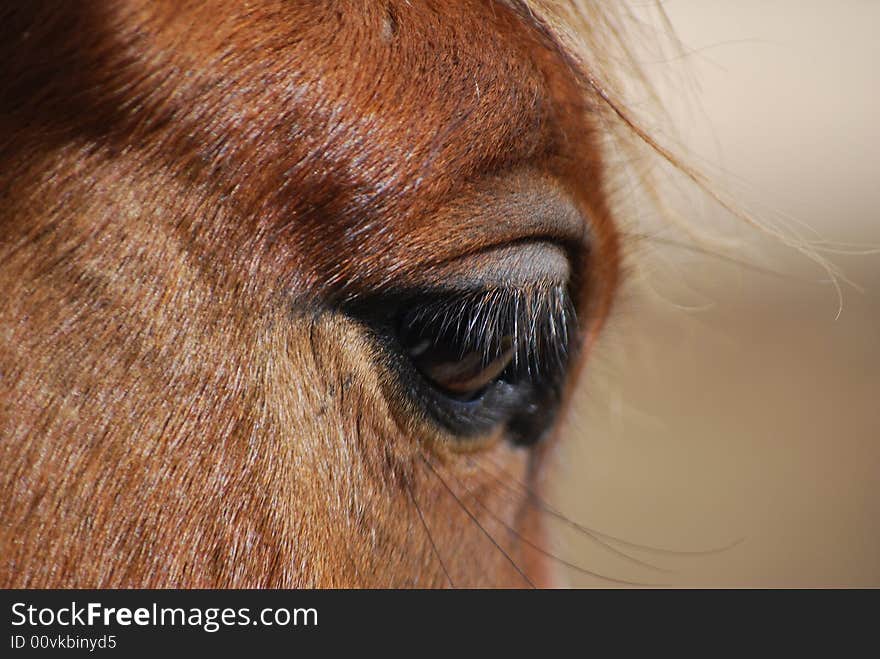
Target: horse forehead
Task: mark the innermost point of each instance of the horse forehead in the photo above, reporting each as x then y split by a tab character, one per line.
339	128
377	97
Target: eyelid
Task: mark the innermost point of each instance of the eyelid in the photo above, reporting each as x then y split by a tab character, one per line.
505	266
518	206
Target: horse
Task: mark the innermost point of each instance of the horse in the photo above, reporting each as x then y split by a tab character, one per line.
295	294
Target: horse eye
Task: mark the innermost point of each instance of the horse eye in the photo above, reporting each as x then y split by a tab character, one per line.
478	361
447	361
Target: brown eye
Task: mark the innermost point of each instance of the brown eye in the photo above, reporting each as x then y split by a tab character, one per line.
456	370
478	360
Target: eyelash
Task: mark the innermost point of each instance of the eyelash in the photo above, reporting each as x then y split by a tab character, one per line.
540	321
523	396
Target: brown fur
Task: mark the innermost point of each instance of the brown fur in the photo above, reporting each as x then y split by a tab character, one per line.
186	189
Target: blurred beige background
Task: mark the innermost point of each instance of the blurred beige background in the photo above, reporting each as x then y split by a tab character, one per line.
726	406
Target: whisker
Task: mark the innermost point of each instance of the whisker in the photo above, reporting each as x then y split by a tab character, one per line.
556	514
412	496
549	554
478	524
593	535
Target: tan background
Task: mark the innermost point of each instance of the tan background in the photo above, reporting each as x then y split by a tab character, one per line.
726	405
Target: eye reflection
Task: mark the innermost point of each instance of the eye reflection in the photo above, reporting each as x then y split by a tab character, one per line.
462	374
